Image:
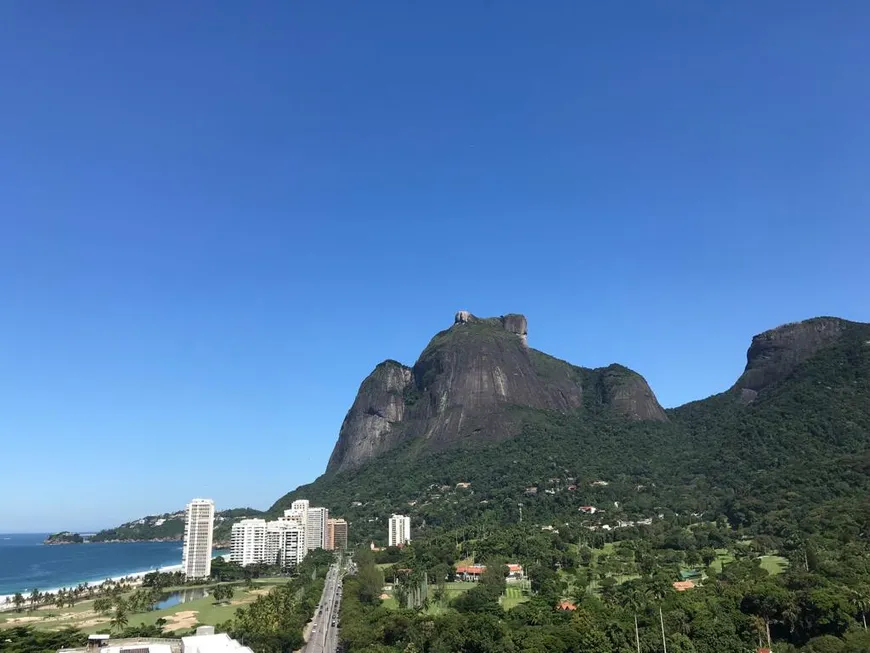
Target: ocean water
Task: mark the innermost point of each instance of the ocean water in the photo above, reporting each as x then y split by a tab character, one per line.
25	562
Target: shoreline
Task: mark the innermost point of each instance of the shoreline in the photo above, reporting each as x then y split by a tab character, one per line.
134	576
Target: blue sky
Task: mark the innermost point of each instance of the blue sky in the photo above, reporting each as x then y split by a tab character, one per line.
217	217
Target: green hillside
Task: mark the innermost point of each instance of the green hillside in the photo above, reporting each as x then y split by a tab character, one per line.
170	526
762	498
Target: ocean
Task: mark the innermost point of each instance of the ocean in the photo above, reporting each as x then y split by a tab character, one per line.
26	563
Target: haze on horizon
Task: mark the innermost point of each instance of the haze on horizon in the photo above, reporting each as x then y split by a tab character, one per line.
218	218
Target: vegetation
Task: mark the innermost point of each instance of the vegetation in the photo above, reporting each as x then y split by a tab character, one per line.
274	623
763	503
170	526
64	537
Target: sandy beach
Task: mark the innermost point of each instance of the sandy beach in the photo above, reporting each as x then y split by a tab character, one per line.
135	578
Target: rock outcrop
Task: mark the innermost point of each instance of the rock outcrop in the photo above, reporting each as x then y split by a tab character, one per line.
774	354
470	384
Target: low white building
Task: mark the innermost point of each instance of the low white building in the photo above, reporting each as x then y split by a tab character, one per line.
221	643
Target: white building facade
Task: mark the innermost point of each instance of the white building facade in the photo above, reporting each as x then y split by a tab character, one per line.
285	541
198	538
399	530
315	533
248	542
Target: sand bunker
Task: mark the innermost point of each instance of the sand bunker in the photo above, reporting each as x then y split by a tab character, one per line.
179	620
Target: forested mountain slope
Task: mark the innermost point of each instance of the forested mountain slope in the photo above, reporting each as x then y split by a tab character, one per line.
793	451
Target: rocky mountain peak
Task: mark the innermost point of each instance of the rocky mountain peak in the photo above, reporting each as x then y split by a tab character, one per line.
774	354
512	323
476	382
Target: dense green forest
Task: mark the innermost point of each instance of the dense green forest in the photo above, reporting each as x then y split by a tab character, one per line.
782	477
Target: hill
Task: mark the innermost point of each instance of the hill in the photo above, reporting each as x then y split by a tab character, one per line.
64	537
170	526
474	384
800	411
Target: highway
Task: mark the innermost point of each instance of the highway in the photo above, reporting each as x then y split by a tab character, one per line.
323	637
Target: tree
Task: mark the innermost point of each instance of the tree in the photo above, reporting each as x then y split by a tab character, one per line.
119	619
860	600
708	556
657	590
102	605
631	598
766	600
35	596
18	600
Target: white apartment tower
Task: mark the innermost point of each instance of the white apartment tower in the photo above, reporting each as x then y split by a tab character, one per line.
249	542
315	533
400	530
198	536
285	543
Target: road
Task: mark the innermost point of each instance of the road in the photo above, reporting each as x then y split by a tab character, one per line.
323	637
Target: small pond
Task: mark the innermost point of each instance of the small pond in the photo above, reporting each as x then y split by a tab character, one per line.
180	596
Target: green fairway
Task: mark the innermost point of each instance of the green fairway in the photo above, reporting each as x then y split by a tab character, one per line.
774	564
513	596
179	617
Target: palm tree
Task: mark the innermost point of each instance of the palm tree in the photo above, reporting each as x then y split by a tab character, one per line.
633	600
119	619
657	591
18	600
35	595
60	598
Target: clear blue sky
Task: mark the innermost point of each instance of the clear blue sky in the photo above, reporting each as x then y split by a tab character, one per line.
217	217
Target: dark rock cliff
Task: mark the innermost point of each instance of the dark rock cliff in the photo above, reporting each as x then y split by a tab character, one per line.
470	384
774	354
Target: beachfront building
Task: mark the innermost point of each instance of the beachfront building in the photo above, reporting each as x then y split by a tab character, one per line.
315	534
198	538
336	535
248	542
399	531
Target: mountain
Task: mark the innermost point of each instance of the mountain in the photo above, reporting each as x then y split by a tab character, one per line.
476	383
785	448
170	526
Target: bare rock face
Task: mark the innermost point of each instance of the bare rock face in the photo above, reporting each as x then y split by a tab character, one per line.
629	395
774	354
370	425
466	386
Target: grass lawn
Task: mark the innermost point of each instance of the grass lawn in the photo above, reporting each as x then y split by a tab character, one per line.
514	595
181	617
774	564
722	558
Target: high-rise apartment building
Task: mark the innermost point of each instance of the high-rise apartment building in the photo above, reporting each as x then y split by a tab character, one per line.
315	533
336	535
285	543
198	537
399	530
249	542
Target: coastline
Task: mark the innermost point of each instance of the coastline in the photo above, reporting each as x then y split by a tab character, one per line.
134	576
